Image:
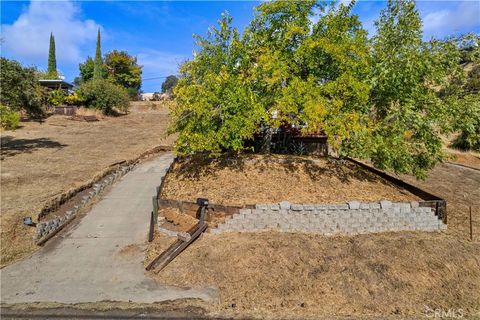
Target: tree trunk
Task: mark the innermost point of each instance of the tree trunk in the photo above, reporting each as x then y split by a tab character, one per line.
266	140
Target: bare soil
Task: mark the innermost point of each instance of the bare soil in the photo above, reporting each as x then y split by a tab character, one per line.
176	220
40	161
253	179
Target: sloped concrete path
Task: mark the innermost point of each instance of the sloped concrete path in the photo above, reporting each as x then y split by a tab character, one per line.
100	258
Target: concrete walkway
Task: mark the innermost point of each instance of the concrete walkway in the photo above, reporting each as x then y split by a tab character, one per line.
100	258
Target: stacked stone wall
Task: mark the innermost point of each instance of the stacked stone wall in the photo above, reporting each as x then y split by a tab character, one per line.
349	218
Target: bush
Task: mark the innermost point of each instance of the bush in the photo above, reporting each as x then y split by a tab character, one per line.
72	99
56	97
103	95
9	119
20	88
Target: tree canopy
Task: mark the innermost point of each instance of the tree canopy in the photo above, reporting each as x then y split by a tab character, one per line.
310	63
20	89
169	83
86	71
124	70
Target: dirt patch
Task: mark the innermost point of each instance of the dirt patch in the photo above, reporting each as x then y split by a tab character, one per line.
131	249
304	275
252	179
176	221
40	161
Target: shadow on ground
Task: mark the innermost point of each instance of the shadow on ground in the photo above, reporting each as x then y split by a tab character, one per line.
11	147
201	165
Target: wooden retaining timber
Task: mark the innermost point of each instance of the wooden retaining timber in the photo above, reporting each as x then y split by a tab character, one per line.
162	260
190	208
430	200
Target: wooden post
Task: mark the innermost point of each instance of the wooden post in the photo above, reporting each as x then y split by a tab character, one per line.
155	209
471	227
152	228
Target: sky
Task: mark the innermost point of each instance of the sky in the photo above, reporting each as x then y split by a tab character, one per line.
159	33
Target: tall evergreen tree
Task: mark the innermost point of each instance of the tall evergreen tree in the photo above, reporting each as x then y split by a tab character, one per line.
52	60
98	66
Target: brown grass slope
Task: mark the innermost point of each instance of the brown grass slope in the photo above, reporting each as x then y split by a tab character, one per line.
271	275
305	275
253	179
40	161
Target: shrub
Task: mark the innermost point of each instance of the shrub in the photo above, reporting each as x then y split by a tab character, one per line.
72	99
20	88
56	97
103	95
8	119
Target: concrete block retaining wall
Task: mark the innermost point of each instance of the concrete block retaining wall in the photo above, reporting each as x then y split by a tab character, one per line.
50	227
350	218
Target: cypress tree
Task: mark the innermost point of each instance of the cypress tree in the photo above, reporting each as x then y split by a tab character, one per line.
98	63
52	60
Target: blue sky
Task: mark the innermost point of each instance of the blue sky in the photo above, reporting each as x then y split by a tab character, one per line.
160	33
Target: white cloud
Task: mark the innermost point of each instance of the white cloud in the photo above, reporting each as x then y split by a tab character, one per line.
463	18
28	37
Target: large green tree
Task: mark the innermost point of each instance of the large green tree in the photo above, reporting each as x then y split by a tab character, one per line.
52	60
216	108
20	90
272	41
124	70
86	71
462	95
328	90
376	99
407	111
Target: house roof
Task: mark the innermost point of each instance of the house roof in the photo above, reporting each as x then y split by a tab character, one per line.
55	83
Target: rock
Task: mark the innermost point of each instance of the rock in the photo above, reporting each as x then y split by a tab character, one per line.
261	207
284	205
184	236
354	205
296	207
385	204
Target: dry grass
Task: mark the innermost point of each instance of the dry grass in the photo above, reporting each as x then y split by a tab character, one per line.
461	188
271	275
251	179
160	243
279	274
466	158
40	161
90	112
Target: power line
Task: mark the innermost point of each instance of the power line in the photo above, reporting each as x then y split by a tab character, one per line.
155	78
